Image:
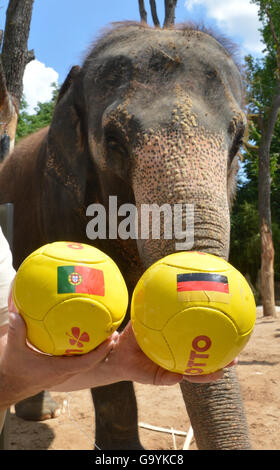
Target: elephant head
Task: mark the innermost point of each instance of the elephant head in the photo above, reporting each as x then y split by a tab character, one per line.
153	116
158	114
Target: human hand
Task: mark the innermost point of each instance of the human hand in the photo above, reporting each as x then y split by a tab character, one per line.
139	368
126	361
25	371
135	365
200	379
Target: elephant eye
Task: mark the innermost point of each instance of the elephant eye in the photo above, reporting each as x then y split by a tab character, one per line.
114	146
211	74
112	143
117	156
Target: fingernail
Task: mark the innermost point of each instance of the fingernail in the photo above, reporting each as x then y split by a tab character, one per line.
173	379
115	336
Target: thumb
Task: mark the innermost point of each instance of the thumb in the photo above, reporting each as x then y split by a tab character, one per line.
17	330
11	305
87	361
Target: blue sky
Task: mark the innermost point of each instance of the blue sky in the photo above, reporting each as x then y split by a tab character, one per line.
62	30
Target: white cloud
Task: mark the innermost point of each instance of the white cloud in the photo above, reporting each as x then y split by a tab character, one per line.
238	19
37	82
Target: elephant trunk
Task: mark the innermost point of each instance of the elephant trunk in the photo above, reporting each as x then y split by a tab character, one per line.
217	414
186	185
196	174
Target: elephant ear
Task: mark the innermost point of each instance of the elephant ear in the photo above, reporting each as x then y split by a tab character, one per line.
66	163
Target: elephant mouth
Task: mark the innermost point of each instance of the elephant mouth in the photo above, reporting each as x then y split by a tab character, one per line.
151	251
159	230
147	221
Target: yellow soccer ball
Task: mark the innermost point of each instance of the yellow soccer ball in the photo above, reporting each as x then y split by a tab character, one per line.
192	313
72	296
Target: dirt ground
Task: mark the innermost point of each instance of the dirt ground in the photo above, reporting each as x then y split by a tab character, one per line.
259	374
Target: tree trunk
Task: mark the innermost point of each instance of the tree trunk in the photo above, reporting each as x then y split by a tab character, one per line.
267	250
13	59
8	116
15	55
154	13
143	13
264	189
267	271
170	6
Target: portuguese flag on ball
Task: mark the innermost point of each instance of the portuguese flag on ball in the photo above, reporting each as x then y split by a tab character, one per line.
80	279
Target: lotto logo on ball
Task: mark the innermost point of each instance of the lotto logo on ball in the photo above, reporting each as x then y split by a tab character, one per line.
200	345
192	314
72	296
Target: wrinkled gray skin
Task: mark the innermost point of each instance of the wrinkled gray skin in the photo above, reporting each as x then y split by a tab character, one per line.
153	116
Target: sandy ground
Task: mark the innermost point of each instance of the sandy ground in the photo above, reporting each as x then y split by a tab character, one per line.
259	374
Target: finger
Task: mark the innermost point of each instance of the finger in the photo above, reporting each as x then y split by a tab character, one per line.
11	304
16	330
115	337
233	363
164	377
210	377
10	296
100	353
89	360
204	378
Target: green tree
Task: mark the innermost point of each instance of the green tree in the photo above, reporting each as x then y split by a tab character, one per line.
14	56
264	104
29	123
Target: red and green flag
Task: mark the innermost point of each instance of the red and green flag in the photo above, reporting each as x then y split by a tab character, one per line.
80	279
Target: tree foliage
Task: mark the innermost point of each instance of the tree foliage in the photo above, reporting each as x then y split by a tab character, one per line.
261	148
29	123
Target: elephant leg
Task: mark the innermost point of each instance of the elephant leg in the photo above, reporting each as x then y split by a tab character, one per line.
38	407
116	418
217	414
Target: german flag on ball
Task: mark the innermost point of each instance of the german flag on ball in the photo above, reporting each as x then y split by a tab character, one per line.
202	287
80	279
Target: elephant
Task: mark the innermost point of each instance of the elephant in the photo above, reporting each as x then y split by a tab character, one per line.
153	116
